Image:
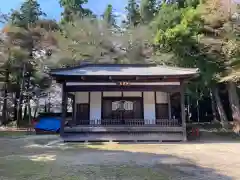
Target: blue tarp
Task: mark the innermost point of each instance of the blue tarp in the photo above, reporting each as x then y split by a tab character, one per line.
48	124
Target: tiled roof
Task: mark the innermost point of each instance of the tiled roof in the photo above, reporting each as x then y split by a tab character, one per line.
124	70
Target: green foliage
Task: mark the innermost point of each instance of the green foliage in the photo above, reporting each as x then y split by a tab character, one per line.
74	9
29	13
133	13
109	17
148	8
73	4
167	17
182	36
192	3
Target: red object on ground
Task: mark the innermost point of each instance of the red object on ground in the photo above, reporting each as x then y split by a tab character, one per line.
34	121
195	132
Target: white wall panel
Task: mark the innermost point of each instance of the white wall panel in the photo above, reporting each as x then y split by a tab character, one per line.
112	94
149	107
95	106
161	97
132	94
81	97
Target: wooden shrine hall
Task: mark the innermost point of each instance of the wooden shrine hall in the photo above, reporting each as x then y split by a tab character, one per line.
124	102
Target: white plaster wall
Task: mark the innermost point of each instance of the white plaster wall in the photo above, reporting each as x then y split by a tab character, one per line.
112	94
132	94
149	107
81	97
95	106
161	97
96	102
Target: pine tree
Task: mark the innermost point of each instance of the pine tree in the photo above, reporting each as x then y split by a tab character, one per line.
27	36
29	13
148	9
74	9
133	13
109	17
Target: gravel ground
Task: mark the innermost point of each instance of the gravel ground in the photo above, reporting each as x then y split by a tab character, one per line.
45	157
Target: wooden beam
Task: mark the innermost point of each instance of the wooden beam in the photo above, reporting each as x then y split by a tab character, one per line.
123	128
123	88
64	109
183	111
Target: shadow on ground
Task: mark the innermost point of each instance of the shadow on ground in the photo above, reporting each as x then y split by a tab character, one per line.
47	158
172	166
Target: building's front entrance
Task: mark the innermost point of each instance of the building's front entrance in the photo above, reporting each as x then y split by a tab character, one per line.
122	110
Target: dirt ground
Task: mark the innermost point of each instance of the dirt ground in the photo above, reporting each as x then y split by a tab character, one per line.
45	157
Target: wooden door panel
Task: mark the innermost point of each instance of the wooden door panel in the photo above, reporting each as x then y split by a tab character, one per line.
82	114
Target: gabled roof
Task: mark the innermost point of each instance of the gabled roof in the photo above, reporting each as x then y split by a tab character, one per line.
124	70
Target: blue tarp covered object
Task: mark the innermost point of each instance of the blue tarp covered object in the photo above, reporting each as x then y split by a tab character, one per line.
48	124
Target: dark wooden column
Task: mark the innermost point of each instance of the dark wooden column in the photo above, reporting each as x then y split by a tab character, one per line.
64	108
169	106
74	110
183	111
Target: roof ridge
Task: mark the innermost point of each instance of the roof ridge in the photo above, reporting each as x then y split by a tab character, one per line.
103	64
179	68
125	69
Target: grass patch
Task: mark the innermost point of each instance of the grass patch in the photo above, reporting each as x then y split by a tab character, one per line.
12	133
228	135
29	170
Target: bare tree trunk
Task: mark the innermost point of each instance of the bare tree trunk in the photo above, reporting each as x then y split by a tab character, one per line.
213	106
45	107
25	111
19	115
234	104
5	96
36	109
29	111
28	100
220	109
15	104
49	102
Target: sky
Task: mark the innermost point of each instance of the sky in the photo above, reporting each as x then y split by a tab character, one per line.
53	10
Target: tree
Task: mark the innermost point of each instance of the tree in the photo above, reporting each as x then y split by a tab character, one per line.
109	17
25	46
133	13
167	17
33	38
27	36
95	41
206	37
29	13
229	32
73	9
148	9
183	36
4	59
3	18
87	39
221	19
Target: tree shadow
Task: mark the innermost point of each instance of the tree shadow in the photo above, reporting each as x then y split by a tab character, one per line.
82	155
171	166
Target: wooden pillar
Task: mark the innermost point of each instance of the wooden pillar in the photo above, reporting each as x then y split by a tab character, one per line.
74	110
64	108
169	106
182	91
